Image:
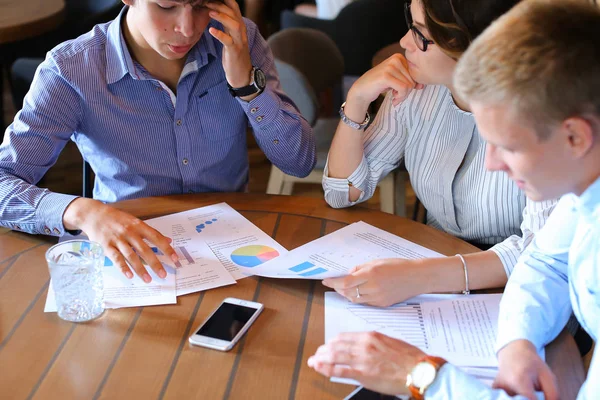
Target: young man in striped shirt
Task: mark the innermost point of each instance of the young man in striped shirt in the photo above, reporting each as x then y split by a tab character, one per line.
158	102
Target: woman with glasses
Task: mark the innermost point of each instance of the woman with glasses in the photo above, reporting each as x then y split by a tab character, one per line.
424	123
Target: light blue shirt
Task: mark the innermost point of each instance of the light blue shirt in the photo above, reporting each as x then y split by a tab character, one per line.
559	273
138	136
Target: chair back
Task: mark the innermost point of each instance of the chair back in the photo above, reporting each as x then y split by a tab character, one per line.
361	29
297	87
82	15
311	52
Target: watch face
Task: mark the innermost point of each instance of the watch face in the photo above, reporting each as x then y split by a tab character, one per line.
423	374
260	79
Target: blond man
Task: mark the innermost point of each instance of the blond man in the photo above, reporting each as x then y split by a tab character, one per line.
533	85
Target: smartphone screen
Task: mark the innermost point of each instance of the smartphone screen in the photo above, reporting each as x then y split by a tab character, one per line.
227	321
365	394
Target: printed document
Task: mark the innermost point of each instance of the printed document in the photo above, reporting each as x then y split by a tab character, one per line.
336	254
216	245
461	329
198	269
237	243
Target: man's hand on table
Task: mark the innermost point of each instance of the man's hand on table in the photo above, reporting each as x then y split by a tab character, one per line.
121	236
377	361
521	371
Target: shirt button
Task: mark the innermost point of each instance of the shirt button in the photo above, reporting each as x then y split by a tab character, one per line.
56	231
47	230
185	161
258	119
254	110
276	141
178	122
18	227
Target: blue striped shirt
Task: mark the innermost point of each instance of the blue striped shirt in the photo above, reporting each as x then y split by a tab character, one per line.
139	138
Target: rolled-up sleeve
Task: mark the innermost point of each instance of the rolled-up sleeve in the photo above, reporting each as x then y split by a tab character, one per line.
384	142
535	215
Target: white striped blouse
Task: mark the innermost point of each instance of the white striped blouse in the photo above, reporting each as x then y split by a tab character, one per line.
444	155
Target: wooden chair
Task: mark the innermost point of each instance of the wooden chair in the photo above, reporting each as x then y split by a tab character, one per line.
309	62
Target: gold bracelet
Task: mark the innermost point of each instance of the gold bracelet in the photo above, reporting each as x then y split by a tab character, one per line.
466	291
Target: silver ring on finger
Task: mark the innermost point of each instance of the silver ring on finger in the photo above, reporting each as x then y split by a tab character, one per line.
357	293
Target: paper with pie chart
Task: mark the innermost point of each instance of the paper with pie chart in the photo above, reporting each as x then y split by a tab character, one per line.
336	254
253	255
239	245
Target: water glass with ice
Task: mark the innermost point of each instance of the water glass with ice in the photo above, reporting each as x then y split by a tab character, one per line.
76	272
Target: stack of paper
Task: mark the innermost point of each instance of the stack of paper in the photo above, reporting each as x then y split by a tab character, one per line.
461	329
216	246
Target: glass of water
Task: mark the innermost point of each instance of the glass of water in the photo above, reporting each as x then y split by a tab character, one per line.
76	271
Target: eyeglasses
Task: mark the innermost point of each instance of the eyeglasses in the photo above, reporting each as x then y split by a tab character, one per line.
420	40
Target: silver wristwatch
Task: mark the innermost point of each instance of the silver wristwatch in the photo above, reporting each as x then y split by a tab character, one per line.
352	124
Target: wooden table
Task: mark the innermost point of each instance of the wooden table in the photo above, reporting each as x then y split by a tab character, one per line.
143	353
22	19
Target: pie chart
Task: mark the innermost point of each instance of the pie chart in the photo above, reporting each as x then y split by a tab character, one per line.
251	256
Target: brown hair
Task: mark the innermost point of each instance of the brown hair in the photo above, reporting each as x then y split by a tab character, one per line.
454	24
543	58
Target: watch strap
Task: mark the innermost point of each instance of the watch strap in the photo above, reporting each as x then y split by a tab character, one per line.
353	124
243	91
252	88
419	393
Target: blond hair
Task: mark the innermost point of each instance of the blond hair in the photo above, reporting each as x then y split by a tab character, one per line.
542	58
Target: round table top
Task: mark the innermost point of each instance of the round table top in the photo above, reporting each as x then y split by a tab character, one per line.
22	19
143	352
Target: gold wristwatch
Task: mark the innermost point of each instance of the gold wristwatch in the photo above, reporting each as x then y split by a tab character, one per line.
423	375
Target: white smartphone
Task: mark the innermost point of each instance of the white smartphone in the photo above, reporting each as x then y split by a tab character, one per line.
227	324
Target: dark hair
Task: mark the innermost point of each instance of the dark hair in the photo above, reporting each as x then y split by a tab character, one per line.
542	59
454	24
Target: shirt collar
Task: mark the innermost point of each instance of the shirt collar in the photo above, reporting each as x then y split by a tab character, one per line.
589	201
118	58
120	62
205	50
